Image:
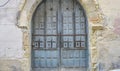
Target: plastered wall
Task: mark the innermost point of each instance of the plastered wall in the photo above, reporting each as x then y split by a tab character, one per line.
11	51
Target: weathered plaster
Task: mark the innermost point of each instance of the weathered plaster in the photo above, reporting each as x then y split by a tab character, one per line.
95	20
10	65
117	26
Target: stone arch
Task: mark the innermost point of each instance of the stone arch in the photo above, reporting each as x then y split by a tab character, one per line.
95	20
27	8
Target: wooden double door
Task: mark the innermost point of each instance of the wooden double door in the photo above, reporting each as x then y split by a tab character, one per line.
59	37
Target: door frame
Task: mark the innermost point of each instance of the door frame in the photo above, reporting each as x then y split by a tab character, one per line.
94	24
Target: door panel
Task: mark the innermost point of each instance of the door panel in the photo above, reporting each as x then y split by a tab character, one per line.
45	42
59	37
73	27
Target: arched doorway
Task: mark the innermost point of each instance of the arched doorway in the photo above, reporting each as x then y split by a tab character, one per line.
59	37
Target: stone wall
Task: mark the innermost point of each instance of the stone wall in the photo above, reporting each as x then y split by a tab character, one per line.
104	37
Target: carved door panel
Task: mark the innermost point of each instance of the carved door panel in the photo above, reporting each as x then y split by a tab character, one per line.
73	47
59	38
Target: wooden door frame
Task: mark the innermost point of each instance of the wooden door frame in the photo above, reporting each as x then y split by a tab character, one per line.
94	20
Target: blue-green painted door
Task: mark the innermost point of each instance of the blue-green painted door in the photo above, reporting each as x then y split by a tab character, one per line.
59	37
